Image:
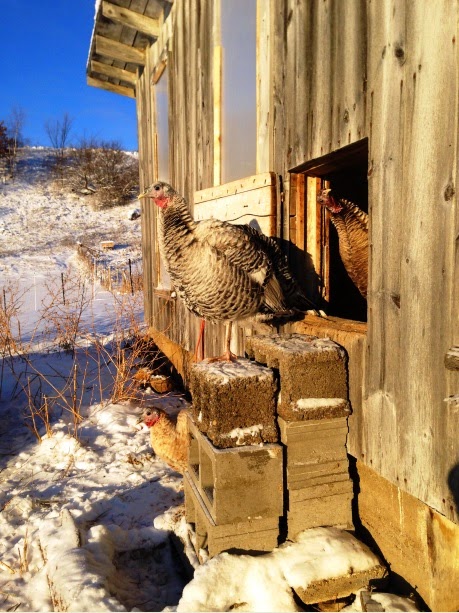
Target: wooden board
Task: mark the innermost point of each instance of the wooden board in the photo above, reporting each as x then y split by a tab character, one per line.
410	432
134	20
421	545
248	201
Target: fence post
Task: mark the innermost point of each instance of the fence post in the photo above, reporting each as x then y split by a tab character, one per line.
63	287
130	276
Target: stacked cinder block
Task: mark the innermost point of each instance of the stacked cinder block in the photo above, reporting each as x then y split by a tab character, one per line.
234	482
313	410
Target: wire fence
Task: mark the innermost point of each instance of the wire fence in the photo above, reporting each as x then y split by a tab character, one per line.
125	277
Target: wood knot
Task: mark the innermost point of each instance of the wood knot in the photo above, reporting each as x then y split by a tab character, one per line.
395	299
449	192
399	53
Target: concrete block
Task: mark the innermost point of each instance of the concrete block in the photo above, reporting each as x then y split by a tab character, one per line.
315	451
329	488
332	510
259	534
301	477
324	590
310	369
294	431
236	484
234	403
305	481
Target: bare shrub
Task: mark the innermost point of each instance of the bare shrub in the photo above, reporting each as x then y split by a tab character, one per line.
64	307
102	168
96	362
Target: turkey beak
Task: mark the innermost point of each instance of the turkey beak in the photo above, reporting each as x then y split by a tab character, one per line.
142	195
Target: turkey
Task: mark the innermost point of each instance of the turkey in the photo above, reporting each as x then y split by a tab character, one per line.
168	439
351	223
222	271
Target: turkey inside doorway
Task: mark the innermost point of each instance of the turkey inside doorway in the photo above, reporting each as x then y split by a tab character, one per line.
344	171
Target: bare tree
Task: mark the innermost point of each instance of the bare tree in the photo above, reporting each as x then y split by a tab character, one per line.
15	124
3	150
58	131
84	165
3	140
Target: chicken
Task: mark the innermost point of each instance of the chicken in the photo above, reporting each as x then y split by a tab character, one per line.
168	439
351	223
222	271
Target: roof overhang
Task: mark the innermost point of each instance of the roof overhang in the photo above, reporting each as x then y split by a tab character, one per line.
123	29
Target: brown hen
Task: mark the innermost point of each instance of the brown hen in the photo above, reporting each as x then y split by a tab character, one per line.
168	439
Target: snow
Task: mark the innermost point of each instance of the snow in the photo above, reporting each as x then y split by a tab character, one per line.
295	343
39	227
106	480
389	602
265	582
304	404
223	372
240	433
86	512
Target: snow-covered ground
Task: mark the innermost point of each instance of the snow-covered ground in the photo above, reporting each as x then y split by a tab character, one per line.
107	477
85	520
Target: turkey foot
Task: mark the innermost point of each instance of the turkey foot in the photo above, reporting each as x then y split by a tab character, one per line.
228	356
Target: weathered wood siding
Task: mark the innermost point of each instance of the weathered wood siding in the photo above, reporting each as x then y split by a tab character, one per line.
188	45
411	433
347	69
334	72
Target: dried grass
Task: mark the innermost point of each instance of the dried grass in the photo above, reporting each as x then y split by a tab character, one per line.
60	328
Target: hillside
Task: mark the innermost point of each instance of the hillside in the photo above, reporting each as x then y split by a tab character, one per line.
40	226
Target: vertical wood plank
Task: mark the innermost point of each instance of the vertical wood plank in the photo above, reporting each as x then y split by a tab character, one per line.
217	90
263	51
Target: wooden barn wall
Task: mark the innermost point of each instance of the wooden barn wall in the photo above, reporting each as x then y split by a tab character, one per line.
411	432
342	70
339	71
189	45
318	72
145	131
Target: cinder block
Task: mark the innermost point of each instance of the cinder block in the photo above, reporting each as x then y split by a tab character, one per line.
319	490
315	451
305	480
311	369
335	510
236	484
329	488
259	534
301	477
369	572
234	403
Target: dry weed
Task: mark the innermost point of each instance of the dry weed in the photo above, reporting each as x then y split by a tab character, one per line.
106	365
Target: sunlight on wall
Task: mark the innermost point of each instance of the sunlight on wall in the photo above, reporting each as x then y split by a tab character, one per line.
162	156
238	37
162	126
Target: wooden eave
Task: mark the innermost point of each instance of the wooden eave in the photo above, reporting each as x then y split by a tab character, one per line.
123	29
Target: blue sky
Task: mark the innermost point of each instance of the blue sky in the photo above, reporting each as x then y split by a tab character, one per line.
44	46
